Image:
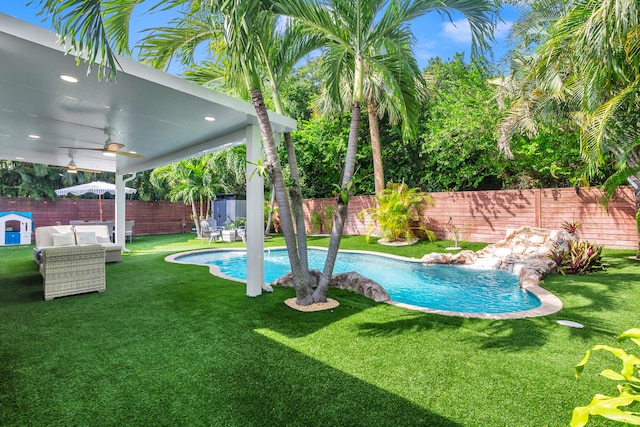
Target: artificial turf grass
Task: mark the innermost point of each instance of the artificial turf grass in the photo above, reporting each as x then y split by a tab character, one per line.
169	344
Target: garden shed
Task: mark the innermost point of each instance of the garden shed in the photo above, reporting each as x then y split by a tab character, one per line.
229	207
15	228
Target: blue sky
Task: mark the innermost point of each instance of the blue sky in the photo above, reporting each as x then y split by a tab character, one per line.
435	34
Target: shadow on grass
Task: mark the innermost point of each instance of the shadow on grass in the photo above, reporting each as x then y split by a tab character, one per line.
170	344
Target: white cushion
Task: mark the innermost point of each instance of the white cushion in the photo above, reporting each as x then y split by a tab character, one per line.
102	239
64	239
86	238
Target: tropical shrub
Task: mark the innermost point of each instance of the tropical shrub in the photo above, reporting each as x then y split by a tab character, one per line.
315	222
239	222
628	387
327	213
455	233
578	257
398	211
573	228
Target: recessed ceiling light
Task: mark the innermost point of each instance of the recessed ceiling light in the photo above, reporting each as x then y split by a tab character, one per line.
68	79
133	152
210	118
108	154
19	158
72	171
33	136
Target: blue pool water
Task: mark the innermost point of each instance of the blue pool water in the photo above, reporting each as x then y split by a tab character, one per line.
441	287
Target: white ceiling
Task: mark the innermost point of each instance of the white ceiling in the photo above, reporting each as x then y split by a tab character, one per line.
155	114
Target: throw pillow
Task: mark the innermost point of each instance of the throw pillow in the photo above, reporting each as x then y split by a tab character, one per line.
64	239
86	238
103	239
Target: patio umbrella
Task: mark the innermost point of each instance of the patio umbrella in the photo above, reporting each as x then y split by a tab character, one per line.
96	187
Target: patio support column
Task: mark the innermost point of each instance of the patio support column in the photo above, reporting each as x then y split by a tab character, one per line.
120	210
255	214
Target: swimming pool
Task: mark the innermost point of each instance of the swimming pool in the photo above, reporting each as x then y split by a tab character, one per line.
437	287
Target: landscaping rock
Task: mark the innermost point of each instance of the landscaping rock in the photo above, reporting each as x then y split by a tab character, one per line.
351	281
436	258
359	284
524	251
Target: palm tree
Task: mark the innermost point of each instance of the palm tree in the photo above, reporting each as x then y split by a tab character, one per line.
190	181
588	64
366	35
380	102
275	52
281	47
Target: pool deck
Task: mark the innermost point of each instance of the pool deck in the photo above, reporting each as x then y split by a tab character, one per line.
550	304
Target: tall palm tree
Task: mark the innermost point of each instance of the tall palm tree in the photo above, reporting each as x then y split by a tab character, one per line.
277	49
380	102
281	47
371	34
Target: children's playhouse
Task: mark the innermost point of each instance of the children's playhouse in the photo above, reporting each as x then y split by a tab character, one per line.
15	228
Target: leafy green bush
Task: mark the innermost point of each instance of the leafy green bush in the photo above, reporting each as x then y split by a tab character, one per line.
397	208
315	222
628	388
579	257
328	212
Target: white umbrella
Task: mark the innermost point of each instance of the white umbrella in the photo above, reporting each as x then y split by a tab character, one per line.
96	187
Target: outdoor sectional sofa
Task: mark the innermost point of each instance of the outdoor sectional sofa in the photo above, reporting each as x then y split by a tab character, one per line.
72	259
68	235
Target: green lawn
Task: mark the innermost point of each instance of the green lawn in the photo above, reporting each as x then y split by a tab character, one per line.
171	345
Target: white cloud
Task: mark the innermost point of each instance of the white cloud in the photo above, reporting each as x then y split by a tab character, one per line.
459	30
502	29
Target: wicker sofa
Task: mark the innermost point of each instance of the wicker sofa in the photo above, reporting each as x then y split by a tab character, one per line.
71	270
68	235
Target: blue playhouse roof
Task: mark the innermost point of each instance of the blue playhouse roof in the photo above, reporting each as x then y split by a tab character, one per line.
23	214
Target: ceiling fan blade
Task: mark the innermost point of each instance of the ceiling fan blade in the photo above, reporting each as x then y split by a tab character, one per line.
128	154
104	150
81	148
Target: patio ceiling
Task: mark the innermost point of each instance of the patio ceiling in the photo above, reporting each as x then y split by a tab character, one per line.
154	114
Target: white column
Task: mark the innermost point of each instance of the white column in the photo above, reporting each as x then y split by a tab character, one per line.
255	215
120	210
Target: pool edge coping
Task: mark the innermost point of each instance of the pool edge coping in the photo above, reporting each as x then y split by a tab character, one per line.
549	303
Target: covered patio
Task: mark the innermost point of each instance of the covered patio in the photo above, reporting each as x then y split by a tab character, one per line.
55	111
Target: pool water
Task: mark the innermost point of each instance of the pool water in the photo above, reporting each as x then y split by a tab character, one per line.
440	287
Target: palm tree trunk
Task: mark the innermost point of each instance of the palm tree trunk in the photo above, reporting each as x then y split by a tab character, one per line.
194	211
304	292
272	203
376	150
340	217
295	195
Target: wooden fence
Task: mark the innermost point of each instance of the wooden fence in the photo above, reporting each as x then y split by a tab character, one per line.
483	216
151	217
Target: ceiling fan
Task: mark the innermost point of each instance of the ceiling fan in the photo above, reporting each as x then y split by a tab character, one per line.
110	148
72	168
